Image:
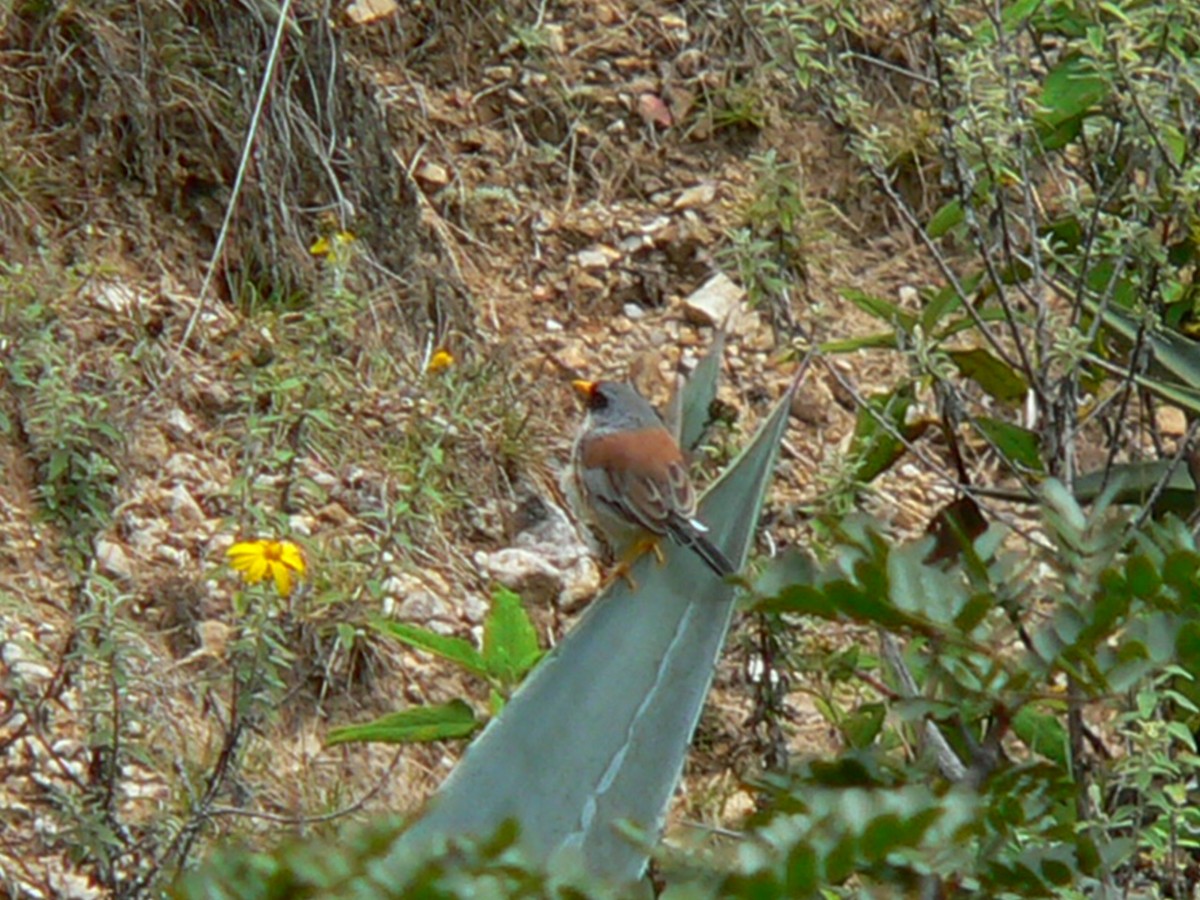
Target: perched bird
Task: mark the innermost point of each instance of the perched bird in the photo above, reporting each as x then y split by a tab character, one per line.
632	480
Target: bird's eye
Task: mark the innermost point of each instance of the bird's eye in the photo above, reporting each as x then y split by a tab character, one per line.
597	399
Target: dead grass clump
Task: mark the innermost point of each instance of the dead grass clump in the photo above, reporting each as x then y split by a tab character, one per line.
132	117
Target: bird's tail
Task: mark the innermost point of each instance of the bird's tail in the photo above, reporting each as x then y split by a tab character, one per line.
690	534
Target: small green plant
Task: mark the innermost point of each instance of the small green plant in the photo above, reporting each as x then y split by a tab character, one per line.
768	251
66	418
509	651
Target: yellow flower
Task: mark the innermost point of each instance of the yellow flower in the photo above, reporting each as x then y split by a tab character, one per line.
443	359
256	560
333	247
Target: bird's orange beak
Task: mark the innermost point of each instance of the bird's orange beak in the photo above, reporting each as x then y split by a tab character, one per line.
585	388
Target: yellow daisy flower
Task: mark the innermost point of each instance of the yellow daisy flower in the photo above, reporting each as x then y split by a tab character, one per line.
443	359
257	560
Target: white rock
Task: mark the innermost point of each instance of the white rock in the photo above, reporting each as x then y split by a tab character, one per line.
474	608
173	555
700	195
184	508
554	326
658	223
1171	421
432	175
179	424
633	311
580	582
419	601
117	298
525	571
714	301
22	664
595	259
302	524
361	12
111	558
182	465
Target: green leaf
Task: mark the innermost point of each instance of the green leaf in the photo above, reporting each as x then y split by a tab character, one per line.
510	645
841	600
1143	577
863	725
1070	91
869	342
949	216
1135	482
1018	445
996	378
454	649
884	834
1043	734
60	461
941	303
792	567
418	725
875	446
884	310
974	611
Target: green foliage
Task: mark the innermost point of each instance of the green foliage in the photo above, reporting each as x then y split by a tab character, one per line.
355	867
64	412
510	650
1115	628
1064	228
768	252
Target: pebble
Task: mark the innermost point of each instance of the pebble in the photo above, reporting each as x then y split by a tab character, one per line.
112	558
713	301
700	195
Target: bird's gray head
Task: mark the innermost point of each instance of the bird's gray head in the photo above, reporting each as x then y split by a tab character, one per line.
616	406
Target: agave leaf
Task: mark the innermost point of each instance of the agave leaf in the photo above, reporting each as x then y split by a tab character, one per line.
594	740
698	394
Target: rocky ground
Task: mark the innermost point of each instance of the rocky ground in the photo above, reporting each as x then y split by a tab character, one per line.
583	178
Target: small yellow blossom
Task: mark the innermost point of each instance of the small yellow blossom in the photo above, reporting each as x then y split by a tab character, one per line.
443	359
334	246
257	560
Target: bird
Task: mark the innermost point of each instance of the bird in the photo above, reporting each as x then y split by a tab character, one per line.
631	479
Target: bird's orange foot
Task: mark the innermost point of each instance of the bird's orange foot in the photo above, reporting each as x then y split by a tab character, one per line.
639	549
